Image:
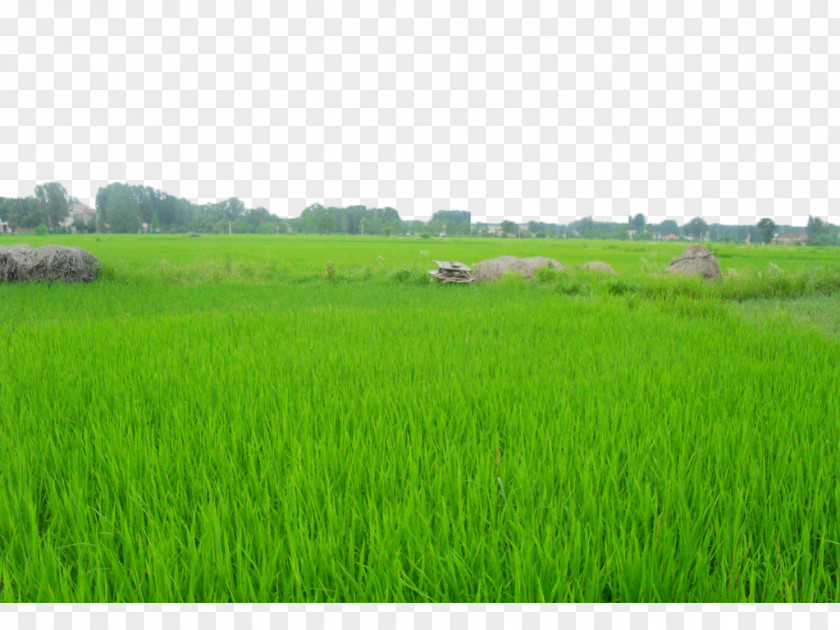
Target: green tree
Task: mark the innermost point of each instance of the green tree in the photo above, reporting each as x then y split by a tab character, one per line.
155	225
767	230
821	232
256	217
22	213
696	228
454	221
509	227
121	212
668	227
637	223
54	203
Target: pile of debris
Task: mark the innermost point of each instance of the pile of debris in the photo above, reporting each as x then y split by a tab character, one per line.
493	269
696	260
50	263
449	271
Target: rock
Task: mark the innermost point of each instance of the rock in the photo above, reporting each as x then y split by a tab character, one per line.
696	259
599	266
493	269
50	263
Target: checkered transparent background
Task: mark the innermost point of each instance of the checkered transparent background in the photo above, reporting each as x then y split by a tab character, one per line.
422	617
538	110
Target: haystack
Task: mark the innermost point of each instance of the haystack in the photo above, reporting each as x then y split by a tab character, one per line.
50	263
597	265
493	269
696	259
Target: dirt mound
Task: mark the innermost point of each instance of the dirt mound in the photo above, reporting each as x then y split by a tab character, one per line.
50	263
493	269
597	265
696	259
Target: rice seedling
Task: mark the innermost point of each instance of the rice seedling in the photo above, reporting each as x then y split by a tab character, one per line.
222	419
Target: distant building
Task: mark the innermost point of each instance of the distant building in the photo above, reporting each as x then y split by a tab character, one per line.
83	213
4	227
80	213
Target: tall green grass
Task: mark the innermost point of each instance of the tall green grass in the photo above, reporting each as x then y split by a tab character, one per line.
318	439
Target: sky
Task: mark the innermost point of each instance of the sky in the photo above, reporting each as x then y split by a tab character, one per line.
525	111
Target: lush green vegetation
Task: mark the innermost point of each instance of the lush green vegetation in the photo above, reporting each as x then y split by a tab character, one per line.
307	418
132	209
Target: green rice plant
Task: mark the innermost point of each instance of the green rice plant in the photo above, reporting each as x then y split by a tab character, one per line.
620	286
512	280
573	284
413	275
216	420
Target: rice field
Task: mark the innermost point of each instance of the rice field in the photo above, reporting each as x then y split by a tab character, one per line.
308	419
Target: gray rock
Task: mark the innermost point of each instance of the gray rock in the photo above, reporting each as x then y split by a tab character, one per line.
695	259
50	263
599	266
493	269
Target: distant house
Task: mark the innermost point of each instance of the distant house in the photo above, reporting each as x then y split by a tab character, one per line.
83	213
791	238
79	213
669	237
4	227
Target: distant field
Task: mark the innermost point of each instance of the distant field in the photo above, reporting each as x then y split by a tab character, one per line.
307	419
277	258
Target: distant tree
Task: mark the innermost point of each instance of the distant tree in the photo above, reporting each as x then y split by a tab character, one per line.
637	223
21	213
767	230
155	224
509	227
453	221
395	227
819	232
120	209
668	227
255	217
54	203
696	228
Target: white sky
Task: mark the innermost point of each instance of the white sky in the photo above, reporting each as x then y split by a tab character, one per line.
550	112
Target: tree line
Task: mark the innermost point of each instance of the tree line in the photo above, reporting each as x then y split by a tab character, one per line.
125	208
44	210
